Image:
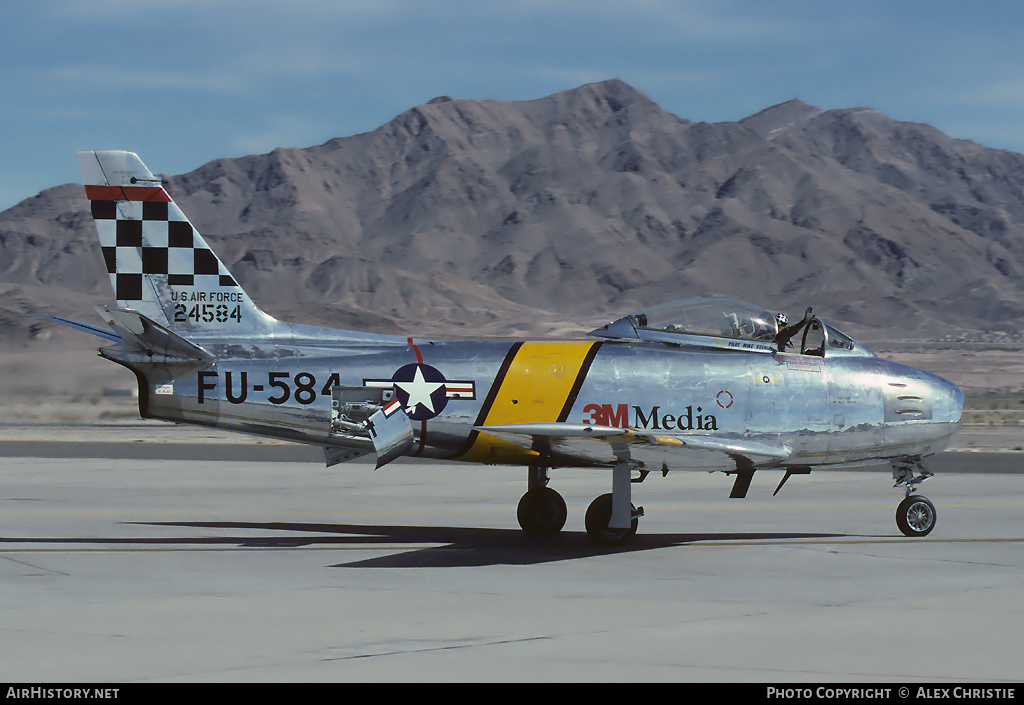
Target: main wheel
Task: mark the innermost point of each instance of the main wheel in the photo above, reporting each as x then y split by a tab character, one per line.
542	512
916	516
599	513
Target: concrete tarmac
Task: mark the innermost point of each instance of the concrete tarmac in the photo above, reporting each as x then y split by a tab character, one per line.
177	564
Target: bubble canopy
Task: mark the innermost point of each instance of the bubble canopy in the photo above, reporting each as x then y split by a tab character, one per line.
718	318
728	324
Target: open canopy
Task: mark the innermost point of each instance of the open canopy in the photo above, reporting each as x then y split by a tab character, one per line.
718	317
727	324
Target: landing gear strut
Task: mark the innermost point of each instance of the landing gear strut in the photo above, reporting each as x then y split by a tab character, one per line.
916	514
612	519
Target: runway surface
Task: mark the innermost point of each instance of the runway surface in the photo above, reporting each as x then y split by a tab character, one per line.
178	564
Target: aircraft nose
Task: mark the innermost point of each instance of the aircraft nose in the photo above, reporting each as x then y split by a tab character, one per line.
951	398
958	404
947	403
922	410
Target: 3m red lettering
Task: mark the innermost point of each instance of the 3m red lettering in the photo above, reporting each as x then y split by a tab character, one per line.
597	414
619	418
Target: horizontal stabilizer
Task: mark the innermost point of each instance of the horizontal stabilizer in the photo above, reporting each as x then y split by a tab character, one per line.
150	337
86	328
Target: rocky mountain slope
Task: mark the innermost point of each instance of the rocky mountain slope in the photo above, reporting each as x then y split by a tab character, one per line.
556	215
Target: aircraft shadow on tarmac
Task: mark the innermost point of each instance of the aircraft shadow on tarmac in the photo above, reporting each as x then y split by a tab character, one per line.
443	547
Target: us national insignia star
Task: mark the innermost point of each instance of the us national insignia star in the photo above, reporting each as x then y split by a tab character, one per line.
421	390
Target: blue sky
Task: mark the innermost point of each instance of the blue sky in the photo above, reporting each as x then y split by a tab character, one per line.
183	82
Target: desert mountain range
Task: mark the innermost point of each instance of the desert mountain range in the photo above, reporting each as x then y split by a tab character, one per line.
554	216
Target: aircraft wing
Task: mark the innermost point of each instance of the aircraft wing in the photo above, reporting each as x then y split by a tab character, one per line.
606	445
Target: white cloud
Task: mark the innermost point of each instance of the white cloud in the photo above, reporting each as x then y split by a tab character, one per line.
281	131
120	78
1005	93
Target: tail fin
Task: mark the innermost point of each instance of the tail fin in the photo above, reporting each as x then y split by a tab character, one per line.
159	264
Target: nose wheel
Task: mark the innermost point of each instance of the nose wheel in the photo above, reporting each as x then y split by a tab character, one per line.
916	516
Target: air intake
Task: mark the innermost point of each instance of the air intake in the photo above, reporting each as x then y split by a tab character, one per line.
907	401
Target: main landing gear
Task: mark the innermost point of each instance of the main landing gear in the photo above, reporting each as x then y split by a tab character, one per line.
915	516
599	519
611	519
542	511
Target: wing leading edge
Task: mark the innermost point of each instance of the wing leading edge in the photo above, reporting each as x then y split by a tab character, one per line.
608	445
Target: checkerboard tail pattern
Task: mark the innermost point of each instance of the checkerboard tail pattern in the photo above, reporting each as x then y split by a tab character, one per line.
159	265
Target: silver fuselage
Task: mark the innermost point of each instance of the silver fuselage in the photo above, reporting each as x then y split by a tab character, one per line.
845	407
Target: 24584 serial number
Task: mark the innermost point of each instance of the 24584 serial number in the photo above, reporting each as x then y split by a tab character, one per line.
207	313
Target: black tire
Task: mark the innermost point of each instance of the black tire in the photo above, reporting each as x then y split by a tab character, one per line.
542	512
599	513
916	516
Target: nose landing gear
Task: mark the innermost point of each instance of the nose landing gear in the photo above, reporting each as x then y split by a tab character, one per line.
916	515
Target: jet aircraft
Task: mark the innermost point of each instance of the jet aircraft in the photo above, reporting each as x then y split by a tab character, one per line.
699	384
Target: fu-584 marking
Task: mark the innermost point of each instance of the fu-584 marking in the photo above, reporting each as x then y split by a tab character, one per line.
300	386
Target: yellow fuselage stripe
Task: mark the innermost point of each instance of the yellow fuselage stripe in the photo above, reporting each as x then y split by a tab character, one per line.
535	389
538	383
